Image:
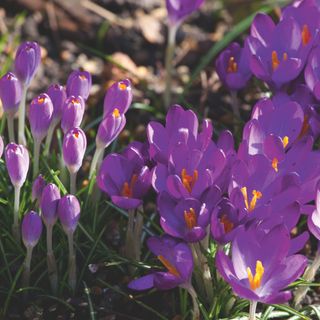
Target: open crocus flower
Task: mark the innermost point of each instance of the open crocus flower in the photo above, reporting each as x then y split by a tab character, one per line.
188	218
125	179
181	128
233	66
176	257
260	268
274	60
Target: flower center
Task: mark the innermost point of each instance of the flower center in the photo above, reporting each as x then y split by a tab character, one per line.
116	113
172	269
127	188
227	224
190	218
285	141
41	100
275	162
82	77
256	196
189	181
255	281
232	65
76	134
306	35
122	86
275	60
75	101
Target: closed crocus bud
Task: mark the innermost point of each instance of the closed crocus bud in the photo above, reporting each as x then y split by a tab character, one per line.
10	93
40	116
17	161
69	213
73	111
37	187
74	147
58	96
49	204
27	61
119	96
31	229
178	10
79	84
109	128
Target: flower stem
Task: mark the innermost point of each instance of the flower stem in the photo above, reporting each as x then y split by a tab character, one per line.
15	226
51	261
252	311
72	263
137	235
73	183
130	245
26	271
10	127
36	155
22	116
193	294
49	137
172	32
235	104
94	162
309	276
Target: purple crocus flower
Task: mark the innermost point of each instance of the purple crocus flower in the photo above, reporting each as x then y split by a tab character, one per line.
10	93
260	268
31	229
175	256
118	96
188	218
69	213
73	149
27	61
314	218
73	111
17	162
312	72
79	84
233	67
1	146
178	10
109	128
273	60
37	187
58	95
49	204
125	178
40	116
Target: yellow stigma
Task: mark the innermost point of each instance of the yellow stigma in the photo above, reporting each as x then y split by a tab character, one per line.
116	113
127	188
285	141
122	86
275	162
190	218
255	281
256	196
306	35
232	65
172	269
41	100
189	181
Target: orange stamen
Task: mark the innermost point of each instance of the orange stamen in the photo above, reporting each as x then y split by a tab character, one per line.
189	181
127	188
75	101
285	56
172	269
190	218
256	196
275	60
255	281
76	135
285	141
227	224
116	113
306	35
275	162
232	65
122	86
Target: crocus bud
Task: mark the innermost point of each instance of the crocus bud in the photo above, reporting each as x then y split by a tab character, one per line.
73	111
27	61
58	96
17	161
40	115
109	128
69	213
1	146
73	149
178	10
79	84
31	229
37	187
10	93
119	96
49	204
